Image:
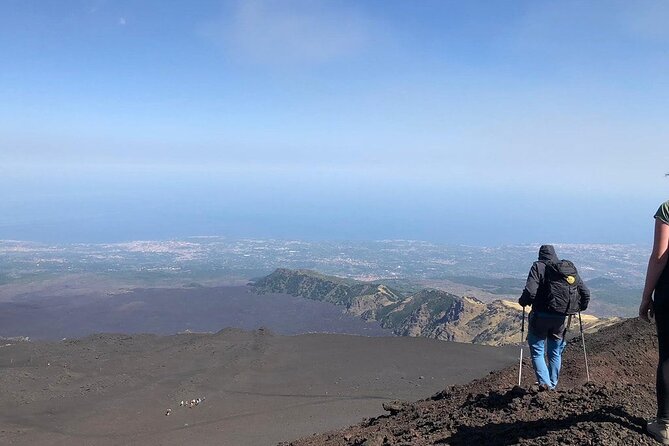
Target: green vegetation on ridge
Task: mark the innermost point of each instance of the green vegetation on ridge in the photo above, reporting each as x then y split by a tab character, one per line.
427	313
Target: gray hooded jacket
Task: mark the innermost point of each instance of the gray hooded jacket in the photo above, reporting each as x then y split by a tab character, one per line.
535	282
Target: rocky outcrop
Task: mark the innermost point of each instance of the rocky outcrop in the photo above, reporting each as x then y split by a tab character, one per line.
367	306
359	298
427	313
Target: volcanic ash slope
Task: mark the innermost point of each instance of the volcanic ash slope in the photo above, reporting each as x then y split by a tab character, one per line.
258	388
611	410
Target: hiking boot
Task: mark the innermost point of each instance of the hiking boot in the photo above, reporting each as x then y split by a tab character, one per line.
659	430
536	388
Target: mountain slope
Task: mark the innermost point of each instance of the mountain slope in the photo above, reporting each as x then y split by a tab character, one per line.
427	313
611	410
359	298
259	388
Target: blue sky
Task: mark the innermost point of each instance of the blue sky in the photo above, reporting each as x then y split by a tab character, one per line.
457	121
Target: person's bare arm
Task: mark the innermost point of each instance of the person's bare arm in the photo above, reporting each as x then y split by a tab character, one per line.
656	264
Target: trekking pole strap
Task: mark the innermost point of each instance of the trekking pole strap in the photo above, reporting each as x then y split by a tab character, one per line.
567	326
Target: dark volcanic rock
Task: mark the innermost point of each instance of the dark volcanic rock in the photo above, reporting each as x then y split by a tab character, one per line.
612	410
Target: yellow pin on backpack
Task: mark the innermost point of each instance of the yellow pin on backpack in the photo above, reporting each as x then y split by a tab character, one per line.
571	280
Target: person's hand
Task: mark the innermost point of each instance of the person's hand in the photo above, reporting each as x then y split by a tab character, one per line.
646	310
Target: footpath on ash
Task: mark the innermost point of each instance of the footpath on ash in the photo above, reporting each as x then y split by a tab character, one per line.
610	410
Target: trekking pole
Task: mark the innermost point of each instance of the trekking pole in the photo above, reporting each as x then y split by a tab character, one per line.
585	354
522	335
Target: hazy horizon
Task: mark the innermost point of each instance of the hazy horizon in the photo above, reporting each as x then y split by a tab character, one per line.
123	206
457	122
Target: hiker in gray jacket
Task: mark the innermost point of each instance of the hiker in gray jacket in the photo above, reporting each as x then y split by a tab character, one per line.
554	290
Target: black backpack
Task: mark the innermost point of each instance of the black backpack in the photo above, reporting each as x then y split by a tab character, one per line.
561	287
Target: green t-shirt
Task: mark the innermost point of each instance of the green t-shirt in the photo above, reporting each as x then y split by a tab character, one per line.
663	212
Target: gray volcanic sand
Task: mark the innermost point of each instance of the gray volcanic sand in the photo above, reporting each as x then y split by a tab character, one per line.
260	388
52	315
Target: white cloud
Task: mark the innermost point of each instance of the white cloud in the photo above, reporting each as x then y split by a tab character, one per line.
290	32
122	21
93	6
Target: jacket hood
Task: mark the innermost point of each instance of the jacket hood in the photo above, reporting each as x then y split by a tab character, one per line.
547	254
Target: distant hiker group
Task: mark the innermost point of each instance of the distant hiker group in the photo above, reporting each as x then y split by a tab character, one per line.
555	292
187	403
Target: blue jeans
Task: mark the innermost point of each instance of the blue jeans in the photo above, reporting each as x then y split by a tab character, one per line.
551	347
